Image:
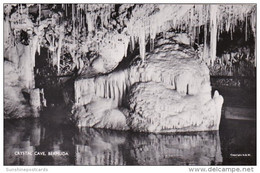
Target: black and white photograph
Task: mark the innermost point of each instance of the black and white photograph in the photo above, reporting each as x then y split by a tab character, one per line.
152	84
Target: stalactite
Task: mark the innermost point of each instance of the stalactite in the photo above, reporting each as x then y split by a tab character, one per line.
7	31
90	23
246	28
53	40
205	50
39	48
74	30
142	43
73	16
59	47
39	14
27	9
192	26
152	31
151	44
21	8
231	32
66	10
213	33
218	34
200	16
132	43
125	48
228	19
144	26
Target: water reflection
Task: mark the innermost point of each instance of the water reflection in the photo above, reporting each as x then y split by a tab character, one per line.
21	136
201	148
88	146
24	137
100	147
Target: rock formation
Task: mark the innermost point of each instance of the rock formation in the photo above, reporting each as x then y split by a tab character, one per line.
169	92
21	98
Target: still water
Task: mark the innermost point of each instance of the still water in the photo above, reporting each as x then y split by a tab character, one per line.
34	141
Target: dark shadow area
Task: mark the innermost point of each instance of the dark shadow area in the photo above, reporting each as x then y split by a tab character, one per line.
238	142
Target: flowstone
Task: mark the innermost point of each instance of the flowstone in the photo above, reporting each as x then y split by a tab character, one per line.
155	108
169	92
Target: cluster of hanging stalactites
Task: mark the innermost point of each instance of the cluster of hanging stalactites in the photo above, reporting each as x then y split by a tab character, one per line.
148	20
140	23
